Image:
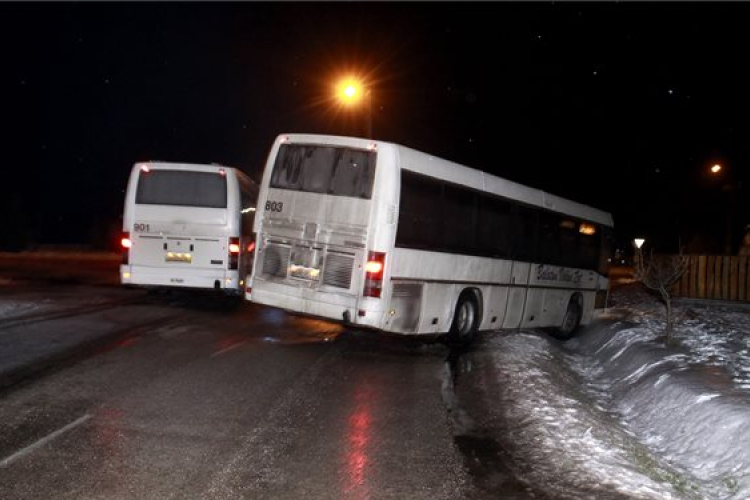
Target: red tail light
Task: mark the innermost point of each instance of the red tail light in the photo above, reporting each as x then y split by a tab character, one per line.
374	267
374	274
234	253
126	244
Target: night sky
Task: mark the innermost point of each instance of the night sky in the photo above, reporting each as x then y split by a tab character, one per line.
623	106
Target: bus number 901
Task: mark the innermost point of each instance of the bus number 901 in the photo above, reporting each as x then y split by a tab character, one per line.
274	206
141	228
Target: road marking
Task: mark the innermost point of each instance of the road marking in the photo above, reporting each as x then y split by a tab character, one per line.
25	451
228	348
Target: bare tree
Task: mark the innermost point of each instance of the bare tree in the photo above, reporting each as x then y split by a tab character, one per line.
659	273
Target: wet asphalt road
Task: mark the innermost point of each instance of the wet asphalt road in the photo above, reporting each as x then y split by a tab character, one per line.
235	401
189	396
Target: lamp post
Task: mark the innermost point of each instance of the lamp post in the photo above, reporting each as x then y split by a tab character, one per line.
368	95
351	92
638	243
731	189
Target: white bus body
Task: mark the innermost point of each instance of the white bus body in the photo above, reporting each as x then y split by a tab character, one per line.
456	245
188	226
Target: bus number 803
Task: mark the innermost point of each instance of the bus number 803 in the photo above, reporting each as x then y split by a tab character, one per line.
274	206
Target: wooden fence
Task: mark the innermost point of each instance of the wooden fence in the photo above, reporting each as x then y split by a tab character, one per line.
719	277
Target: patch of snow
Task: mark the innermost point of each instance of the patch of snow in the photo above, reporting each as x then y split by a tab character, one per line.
11	307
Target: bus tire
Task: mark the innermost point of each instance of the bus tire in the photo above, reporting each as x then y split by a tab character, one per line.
571	321
465	320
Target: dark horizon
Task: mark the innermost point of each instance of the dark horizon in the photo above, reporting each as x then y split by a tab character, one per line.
621	106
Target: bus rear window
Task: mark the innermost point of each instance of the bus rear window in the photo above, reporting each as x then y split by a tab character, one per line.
324	169
178	187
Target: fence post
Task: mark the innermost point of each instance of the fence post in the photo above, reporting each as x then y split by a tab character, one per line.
717	278
725	278
685	279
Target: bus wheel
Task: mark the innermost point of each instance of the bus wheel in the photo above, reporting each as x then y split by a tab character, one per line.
465	320
570	322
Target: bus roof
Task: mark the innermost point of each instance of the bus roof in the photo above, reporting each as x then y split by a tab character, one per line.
439	168
203	167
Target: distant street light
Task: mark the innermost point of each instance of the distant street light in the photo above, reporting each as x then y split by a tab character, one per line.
716	169
351	92
638	243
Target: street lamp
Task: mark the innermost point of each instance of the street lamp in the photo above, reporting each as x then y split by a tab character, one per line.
351	91
638	243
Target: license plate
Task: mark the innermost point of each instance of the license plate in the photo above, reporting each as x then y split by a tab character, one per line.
179	257
304	273
305	264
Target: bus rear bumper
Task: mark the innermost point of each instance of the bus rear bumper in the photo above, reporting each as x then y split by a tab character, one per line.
324	305
204	279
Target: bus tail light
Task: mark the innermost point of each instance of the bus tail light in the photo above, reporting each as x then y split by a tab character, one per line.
374	269
126	244
234	253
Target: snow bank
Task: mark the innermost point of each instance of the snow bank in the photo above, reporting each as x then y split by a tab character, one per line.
616	413
689	403
560	439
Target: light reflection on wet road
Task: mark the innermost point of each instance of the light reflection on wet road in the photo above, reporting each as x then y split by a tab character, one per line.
359	435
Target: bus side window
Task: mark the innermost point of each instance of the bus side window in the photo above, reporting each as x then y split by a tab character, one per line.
524	234
459	219
589	246
548	247
417	224
570	253
494	227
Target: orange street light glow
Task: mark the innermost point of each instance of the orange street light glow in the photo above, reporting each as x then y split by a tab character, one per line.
350	91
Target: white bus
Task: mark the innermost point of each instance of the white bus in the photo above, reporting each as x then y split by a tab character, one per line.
381	236
188	226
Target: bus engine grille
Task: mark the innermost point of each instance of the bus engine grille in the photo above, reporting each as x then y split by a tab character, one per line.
338	270
276	261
